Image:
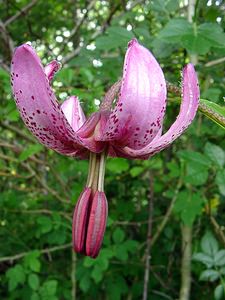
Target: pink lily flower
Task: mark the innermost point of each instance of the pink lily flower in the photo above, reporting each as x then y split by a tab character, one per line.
132	129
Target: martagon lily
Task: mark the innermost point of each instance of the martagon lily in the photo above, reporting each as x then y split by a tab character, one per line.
131	129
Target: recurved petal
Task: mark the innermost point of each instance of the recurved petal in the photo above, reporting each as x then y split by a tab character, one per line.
51	69
97	224
37	103
73	112
80	221
188	109
90	132
139	112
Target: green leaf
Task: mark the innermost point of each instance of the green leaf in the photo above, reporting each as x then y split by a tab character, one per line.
115	37
35	296
204	258
32	261
197	166
48	289
33	281
209	244
209	275
174	30
213	111
44	224
220	181
188	206
213	33
194	157
121	252
220	258
136	171
29	151
85	283
97	274
219	292
196	39
117	165
215	154
118	236
15	276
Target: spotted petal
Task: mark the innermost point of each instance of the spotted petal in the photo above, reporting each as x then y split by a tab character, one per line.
188	109
51	69
139	112
37	103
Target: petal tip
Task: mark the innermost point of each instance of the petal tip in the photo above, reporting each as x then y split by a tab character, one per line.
132	42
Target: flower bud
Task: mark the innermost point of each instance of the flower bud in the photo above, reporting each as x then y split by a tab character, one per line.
97	223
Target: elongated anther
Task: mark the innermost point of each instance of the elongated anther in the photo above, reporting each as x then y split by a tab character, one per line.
80	220
97	224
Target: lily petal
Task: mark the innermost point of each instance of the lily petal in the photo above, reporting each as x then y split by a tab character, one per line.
51	69
37	103
139	112
73	112
188	109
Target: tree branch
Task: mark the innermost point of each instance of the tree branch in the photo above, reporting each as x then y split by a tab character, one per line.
23	11
148	240
73	274
215	62
77	50
186	262
42	251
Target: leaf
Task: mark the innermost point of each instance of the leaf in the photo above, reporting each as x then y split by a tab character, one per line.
219	292
117	165
209	244
174	30
97	274
188	206
29	151
118	236
121	252
197	166
204	258
115	37
220	258
32	261
44	224
209	275
196	39
48	289
215	154
194	157
33	281
121	287
220	181
15	276
85	283
35	296
213	111
135	171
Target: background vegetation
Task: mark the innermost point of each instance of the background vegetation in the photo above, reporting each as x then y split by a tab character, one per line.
39	187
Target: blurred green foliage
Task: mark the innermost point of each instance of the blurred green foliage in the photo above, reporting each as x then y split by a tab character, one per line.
39	188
